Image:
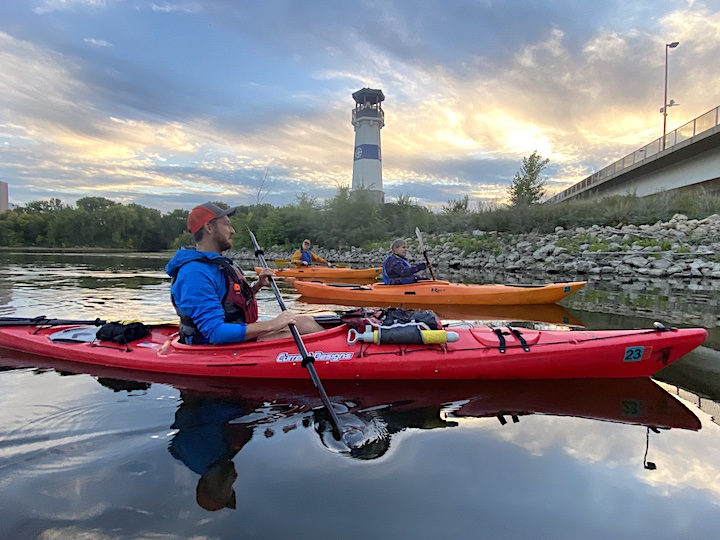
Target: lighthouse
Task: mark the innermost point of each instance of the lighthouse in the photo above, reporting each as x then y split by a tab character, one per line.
368	119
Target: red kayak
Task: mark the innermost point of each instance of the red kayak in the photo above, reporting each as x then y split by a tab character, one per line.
341	353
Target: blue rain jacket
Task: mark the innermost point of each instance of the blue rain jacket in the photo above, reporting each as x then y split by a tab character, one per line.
198	289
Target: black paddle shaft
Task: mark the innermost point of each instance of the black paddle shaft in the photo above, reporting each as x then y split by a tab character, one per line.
429	266
44	321
308	360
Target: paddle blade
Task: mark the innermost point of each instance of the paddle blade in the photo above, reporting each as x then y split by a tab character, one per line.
421	245
420	239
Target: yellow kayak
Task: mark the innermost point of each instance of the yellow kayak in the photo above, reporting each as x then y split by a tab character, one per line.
433	292
326	272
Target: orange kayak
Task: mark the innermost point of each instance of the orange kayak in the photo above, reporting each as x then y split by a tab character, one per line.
325	272
440	292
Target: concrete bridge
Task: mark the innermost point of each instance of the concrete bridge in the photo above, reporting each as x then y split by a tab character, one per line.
688	156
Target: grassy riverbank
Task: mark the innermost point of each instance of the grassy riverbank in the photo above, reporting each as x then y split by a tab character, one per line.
457	219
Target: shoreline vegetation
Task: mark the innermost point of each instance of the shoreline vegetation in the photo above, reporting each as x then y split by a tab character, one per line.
680	247
670	234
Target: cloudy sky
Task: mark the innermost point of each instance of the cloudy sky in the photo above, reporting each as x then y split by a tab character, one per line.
172	103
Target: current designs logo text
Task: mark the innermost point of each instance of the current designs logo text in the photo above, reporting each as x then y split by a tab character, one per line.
318	355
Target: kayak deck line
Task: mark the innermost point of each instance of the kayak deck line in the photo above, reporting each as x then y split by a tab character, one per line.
502	344
367	349
476	331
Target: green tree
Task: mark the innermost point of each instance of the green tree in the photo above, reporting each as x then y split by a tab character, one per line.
457	206
351	220
72	227
248	217
527	188
41	207
403	216
94	204
174	227
145	233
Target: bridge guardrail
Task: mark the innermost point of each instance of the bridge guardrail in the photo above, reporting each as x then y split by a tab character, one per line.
694	127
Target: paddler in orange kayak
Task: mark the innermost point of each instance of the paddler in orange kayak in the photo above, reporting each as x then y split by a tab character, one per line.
305	257
396	269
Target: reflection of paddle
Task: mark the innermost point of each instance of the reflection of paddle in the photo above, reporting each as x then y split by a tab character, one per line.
424	252
308	360
285	262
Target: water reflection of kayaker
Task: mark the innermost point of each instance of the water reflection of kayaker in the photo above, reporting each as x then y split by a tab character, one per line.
206	443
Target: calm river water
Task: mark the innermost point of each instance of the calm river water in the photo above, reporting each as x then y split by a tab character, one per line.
90	456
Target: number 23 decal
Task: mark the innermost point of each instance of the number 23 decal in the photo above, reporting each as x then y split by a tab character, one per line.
633	354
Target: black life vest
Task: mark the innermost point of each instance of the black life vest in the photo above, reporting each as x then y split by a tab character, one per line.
239	303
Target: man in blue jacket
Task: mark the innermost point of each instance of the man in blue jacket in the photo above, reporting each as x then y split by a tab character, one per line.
215	302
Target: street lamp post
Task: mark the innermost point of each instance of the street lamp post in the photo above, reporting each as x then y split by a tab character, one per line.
672	102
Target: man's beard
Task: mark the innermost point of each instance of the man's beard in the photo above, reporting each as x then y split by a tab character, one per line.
224	244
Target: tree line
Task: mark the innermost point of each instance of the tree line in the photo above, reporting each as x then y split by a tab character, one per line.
345	220
96	222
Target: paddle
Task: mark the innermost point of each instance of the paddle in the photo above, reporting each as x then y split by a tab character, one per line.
42	320
308	359
424	252
285	262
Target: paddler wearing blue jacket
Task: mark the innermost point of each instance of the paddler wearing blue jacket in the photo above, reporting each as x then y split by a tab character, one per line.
396	270
215	302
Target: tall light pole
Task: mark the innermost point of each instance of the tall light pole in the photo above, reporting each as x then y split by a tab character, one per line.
672	102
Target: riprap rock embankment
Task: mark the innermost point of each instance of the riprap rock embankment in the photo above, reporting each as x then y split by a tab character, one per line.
680	247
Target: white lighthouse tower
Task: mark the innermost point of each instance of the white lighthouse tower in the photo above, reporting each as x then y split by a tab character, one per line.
368	119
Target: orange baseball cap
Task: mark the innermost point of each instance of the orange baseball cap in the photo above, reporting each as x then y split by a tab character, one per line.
205	213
